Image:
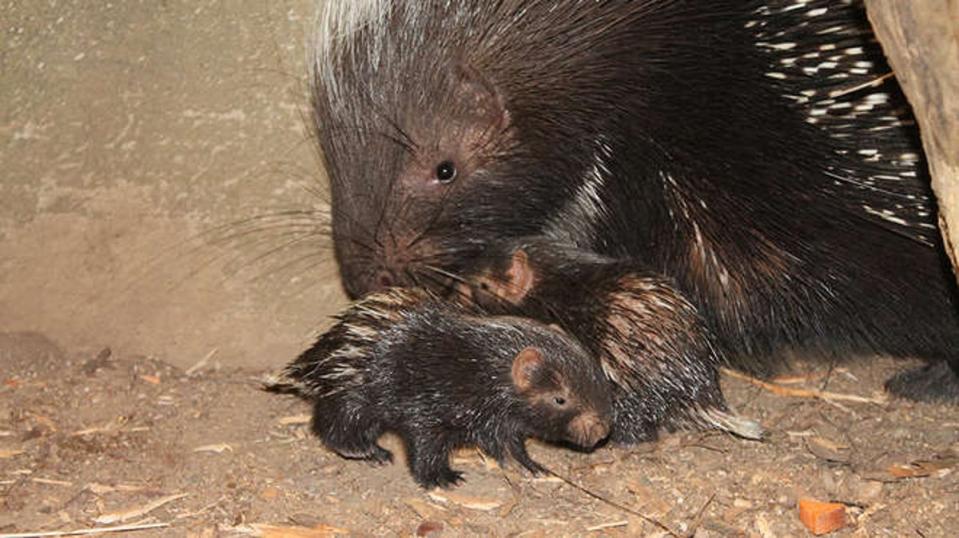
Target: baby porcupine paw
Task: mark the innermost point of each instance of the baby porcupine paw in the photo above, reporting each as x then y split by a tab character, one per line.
440	478
534	468
522	457
936	382
380	456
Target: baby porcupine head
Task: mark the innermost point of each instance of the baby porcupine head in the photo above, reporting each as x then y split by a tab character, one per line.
567	396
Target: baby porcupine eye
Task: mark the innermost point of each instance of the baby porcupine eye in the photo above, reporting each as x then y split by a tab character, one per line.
559	400
445	172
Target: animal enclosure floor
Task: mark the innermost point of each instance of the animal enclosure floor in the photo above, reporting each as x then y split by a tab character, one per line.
92	440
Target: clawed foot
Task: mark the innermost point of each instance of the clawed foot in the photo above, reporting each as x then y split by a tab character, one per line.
518	451
444	478
534	468
380	456
935	382
375	455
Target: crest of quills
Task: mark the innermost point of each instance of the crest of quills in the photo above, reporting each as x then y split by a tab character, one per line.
676	184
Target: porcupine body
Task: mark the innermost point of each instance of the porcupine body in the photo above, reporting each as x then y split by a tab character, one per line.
656	351
440	377
753	154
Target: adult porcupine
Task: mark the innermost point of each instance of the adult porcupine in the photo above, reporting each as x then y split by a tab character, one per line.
752	152
442	377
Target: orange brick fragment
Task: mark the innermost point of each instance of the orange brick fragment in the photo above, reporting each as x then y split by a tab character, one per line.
820	517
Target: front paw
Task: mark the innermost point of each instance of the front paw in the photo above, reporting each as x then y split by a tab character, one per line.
535	469
933	383
380	456
518	451
445	478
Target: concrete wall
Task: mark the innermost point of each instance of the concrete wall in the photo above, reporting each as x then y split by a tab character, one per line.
131	134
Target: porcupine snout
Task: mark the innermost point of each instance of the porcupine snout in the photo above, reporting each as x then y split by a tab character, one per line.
390	262
588	429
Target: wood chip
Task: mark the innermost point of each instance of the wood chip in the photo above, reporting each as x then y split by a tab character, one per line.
132	513
828	450
424	509
152	379
466	501
101	489
201	363
51	482
269	493
9	453
109	427
218	448
828	444
295	419
821	517
610	525
922	468
45	421
318	531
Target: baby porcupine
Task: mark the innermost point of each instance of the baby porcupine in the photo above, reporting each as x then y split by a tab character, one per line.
441	377
653	345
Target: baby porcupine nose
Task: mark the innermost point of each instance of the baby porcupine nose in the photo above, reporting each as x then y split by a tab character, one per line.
588	429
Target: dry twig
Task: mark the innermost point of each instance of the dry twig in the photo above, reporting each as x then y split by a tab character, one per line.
85	532
802	393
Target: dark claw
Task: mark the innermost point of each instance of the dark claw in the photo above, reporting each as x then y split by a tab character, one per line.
534	468
445	479
518	451
451	478
380	456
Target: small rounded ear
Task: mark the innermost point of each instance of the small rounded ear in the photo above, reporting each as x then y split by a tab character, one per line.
511	285
482	98
525	365
520	277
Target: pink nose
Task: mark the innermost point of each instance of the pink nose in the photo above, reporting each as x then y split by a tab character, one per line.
588	429
597	432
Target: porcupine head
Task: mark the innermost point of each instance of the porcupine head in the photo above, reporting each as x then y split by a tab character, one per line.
444	131
565	398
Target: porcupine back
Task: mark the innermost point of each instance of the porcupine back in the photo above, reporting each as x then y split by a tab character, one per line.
871	175
753	152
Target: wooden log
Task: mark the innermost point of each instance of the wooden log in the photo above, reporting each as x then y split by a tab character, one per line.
921	41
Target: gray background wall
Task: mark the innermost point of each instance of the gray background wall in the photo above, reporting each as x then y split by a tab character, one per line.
131	134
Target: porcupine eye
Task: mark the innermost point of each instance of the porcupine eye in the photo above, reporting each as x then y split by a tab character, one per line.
446	172
559	400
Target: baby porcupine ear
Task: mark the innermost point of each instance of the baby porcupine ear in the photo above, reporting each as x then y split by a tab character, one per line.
511	283
520	278
525	365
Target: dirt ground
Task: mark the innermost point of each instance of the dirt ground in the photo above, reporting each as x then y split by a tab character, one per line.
89	439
